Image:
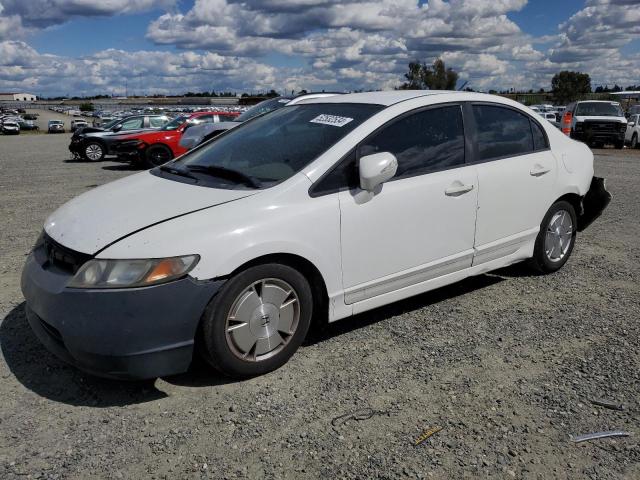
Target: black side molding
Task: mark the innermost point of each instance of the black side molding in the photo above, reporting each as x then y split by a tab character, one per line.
593	203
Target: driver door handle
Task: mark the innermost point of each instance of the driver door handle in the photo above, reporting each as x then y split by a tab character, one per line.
456	190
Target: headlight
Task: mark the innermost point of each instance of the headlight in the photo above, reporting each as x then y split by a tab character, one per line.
98	273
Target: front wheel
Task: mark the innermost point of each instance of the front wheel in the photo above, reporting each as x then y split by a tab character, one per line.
634	141
619	145
257	321
157	155
93	151
555	239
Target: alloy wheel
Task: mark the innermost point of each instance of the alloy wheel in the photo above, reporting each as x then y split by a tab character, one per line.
559	236
93	151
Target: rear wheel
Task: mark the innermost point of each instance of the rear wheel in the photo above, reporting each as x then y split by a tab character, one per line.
157	155
93	151
556	238
257	321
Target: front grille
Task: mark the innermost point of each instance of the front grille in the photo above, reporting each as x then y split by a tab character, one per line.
62	257
599	126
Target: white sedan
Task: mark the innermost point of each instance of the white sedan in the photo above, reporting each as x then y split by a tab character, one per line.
311	213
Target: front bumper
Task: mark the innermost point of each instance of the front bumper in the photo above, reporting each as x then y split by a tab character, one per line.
133	333
588	136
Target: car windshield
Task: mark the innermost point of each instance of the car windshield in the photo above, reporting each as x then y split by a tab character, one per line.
271	148
599	109
175	123
262	107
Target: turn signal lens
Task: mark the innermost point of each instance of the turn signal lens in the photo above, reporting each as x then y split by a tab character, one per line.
98	273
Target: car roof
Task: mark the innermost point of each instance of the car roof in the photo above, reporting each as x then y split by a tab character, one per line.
385	98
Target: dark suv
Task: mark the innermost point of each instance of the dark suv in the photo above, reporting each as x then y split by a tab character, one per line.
93	143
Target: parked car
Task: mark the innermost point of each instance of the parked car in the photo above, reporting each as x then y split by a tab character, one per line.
10	126
632	134
199	134
241	243
93	143
157	147
76	124
55	126
27	125
30	116
595	122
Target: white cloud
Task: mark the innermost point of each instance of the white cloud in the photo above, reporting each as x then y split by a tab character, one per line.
334	44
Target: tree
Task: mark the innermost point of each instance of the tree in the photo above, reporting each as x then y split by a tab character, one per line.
569	86
86	107
435	77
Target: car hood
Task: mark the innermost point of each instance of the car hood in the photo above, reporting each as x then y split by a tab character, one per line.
104	215
590	118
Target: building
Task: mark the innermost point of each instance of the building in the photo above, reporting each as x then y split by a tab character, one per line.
18	97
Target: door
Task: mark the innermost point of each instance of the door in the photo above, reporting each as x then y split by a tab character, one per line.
420	225
516	177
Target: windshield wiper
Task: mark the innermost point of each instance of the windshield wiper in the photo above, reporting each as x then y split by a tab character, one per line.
226	173
177	171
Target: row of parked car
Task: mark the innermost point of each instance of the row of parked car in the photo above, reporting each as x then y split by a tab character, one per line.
153	139
12	122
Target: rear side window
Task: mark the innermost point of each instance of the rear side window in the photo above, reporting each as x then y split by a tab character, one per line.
539	138
501	132
422	142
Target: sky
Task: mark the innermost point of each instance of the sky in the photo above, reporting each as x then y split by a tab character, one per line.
145	47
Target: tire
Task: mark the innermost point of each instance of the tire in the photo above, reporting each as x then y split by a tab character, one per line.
156	155
552	250
243	329
619	145
634	141
93	151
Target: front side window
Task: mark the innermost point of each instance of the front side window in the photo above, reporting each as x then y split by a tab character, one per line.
501	132
132	124
269	149
175	123
422	142
157	122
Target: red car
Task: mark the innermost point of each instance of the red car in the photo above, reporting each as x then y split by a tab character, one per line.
159	146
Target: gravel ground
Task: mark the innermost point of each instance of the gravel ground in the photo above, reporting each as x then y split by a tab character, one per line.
506	363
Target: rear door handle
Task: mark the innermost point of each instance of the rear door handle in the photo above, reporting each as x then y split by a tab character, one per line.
538	171
457	190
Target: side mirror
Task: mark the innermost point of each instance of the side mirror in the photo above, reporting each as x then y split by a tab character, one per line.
117	128
631	124
376	169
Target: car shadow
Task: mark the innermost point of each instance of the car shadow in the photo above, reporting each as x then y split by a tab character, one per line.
321	333
44	374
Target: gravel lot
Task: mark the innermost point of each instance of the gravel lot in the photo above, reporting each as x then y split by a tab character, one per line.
506	363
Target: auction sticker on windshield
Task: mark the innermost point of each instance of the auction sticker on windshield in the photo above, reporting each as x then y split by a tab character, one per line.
333	120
